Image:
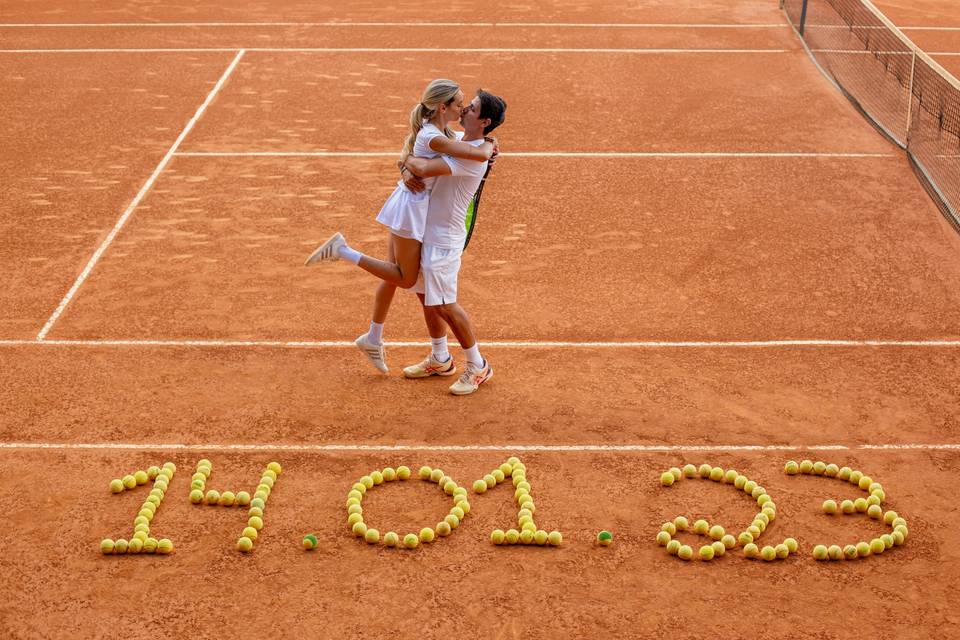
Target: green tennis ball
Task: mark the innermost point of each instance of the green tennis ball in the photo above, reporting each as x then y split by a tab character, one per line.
555	538
673	547
791	468
701	527
768	553
604	538
257	503
372	536
685	552
251	533
663	538
751	550
716	474
806	466
681	523
863	549
129	482
512	536
390	538
819	467
403	473
164	546
667	479
196	496
850	552
245	544
498	536
830	507
116	486
704	471
707	552
820	552
717	532
834	552
689	471
877	546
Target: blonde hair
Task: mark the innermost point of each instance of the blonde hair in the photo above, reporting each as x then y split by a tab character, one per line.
438	92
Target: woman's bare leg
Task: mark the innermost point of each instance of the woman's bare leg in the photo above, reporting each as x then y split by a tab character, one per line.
402	270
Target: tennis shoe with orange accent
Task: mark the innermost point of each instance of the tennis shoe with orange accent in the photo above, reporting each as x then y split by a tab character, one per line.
329	251
376	353
431	367
471	379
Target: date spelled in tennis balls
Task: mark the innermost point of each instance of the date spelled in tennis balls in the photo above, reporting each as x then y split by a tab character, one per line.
604	538
667	479
309	541
411	541
245	544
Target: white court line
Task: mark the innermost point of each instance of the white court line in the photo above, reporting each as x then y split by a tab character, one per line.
552	25
535	154
398	50
133	204
545	448
884	53
507	344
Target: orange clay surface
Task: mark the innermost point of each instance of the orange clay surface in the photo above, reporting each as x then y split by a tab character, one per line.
567	249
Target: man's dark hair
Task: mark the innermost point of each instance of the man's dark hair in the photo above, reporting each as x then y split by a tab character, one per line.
492	107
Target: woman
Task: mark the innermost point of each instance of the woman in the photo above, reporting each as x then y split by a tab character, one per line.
405	212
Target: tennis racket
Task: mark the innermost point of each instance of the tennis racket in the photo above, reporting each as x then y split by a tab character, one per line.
472	208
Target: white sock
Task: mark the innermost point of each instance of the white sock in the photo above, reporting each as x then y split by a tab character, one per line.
440	351
473	355
350	255
375	334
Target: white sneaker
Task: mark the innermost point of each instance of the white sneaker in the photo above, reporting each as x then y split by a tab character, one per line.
328	251
375	353
431	367
473	376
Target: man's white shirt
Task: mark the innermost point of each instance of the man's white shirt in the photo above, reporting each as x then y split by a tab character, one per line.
451	195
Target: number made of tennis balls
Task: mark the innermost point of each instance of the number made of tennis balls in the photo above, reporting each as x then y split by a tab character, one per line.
667	479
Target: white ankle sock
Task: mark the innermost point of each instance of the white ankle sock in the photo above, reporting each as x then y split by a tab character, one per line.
440	351
473	355
350	255
375	334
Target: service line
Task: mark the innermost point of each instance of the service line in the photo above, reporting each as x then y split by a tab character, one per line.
549	25
398	50
136	200
540	154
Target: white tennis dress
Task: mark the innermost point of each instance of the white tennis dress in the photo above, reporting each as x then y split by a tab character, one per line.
405	212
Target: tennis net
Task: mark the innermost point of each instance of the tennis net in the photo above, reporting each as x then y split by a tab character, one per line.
900	89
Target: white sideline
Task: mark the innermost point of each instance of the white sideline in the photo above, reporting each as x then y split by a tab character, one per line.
392	50
586	25
532	344
538	154
537	448
136	200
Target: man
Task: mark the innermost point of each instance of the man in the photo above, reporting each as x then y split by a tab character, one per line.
443	240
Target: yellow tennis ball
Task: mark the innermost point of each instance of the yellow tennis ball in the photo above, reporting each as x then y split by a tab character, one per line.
850	552
681	523
689	471
464	506
141	477
245	544
106	546
227	498
667	479
834	552
359	529
427	534
135	545
820	552
443	528
449	486
153	472
120	545
436	475
819	467
258	503
403	472
704	471
806	466
750	550
479	486
730	476
877	546
116	485
540	537
250	532
740	482
528	526
196	496
256	522
129	481
749	486
873	499
512	536
213	496
865	482
685	552
164	546
389	474
669	527
717	532
847	506
377	477
728	541
457	511
411	541
390	538
275	467
243	498
791	468
673	547
745	538
716	474
831	470
372	536
782	550
887	540
677	474
497	536
791	544
255	511
830	507
860	504
150	545
141	535
425	472
843	474
863	549
526	536
768	553
701	527
707	552
555	538
875	511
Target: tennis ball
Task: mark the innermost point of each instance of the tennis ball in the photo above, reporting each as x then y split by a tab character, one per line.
268	482
749	486
526	535
275	467
153	472
860	504
196	496
251	533
555	538
227	498
164	546
667	479
459	491
170	466
258	503
768	553
120	545
791	468
425	472
359	529
677	474
204	470
506	468
865	482
754	530
879	494
213	496
685	552
717	532
673	547
757	492
830	507
490	481
751	550
681	523
427	534
898	521
150	545
760	525
106	546
411	541
843	474
464	506
116	486
850	552
540	537
782	550
701	527
887	540
689	471
452	520
855	476
740	482
819	467
831	470
834	552
354	508
873	499
669	527
135	545
129	482
479	486
719	549
874	511
256	522
372	536
792	545
443	528
847	506
903	531
707	552
745	538
663	538
604	538
255	511
763	517
436	475
512	536
728	541
141	477
820	552
403	472
806	466
245	544
359	488
898	538
140	535
498	536
377	477
716	474
528	525
763	498
459	512
390	538
877	546
863	549
449	487
704	471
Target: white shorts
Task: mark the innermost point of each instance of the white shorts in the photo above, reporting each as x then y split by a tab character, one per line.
439	269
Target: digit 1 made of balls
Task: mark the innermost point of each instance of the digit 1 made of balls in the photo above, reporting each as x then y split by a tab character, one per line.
141	541
528	533
199	494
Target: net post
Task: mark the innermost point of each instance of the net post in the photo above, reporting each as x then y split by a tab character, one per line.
913	71
803	17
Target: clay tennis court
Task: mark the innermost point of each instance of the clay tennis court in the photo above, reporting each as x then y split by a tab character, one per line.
693	249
